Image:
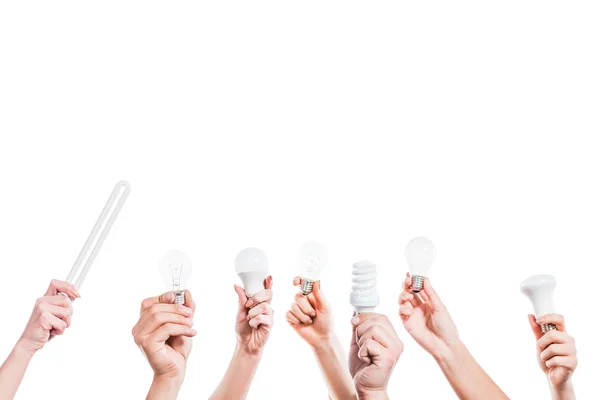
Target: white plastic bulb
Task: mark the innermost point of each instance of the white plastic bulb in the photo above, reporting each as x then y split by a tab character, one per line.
252	266
420	254
175	269
539	289
312	259
364	296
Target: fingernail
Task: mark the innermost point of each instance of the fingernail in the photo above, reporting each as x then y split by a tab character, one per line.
249	303
194	331
355	320
541	320
313	314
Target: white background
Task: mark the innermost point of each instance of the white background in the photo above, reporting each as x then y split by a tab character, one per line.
356	124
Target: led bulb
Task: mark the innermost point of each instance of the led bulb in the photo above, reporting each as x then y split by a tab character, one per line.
539	289
420	254
364	296
312	259
175	269
252	266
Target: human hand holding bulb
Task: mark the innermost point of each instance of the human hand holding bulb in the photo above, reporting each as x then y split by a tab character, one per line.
164	334
556	351
310	316
426	319
255	315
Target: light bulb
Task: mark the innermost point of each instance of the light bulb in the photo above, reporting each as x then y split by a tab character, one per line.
312	259
175	269
539	290
252	266
364	296
420	254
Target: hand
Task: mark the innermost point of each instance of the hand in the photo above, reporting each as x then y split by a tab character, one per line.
164	334
50	317
255	318
374	351
310	316
556	350
427	320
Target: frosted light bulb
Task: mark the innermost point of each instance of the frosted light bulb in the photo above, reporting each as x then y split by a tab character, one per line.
539	289
312	259
364	296
252	266
420	254
175	269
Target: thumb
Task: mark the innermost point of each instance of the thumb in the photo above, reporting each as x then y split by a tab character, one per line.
537	330
320	300
434	299
242	298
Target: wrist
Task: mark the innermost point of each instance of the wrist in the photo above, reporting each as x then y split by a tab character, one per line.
563	391
324	344
369	394
449	353
243	350
25	349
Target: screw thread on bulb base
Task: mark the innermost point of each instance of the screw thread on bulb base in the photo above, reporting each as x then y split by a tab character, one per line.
417	283
307	287
548	327
179	297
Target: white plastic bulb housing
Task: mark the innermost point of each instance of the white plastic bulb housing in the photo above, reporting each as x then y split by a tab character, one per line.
539	289
252	266
364	296
420	255
311	260
175	269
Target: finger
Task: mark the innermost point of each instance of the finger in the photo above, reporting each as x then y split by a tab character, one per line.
261	320
556	350
63	313
305	319
242	298
268	282
304	305
52	324
360	318
535	328
165	298
57	300
320	302
552	337
262	308
262	296
433	297
555	319
369	350
562	361
166	331
297	281
407	282
291	318
378	334
408	297
153	321
382	323
189	301
57	287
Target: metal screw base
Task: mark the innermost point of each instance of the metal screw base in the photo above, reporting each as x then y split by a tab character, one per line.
179	297
307	287
417	283
548	327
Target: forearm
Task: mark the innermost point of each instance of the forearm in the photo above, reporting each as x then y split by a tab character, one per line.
377	395
13	370
465	375
164	388
565	392
332	361
238	378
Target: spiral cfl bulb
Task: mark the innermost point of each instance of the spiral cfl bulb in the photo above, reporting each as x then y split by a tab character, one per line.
311	260
364	296
539	289
420	254
252	266
175	269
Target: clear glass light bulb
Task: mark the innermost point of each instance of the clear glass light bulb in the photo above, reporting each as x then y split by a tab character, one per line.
364	296
539	289
312	259
175	269
252	266
420	254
